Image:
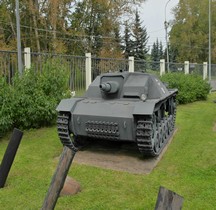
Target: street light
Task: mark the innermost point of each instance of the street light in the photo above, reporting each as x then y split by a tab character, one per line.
210	41
19	51
166	24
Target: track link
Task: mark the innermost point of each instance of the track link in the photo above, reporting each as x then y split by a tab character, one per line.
151	137
144	137
63	131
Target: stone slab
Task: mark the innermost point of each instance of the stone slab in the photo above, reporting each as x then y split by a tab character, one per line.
71	187
118	156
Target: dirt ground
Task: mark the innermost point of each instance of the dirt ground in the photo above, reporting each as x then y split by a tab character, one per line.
118	156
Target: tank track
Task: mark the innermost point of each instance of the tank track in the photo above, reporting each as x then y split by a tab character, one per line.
63	131
151	137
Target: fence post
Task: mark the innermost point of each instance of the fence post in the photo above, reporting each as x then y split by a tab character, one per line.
27	57
88	70
168	199
58	179
186	67
131	64
205	70
162	67
9	155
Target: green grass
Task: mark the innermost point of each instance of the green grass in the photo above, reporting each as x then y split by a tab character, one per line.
188	168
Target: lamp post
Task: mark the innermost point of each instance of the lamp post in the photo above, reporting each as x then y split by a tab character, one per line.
209	41
19	52
166	24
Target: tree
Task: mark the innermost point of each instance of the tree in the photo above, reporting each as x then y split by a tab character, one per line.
66	26
34	8
8	27
156	54
90	22
189	33
161	53
113	46
140	39
96	22
127	46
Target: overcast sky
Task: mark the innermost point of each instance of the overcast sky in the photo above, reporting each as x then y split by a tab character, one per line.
152	14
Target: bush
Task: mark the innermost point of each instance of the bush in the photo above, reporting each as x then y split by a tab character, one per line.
6	103
32	100
37	95
191	87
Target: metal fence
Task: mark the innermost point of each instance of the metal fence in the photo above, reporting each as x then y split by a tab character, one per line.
147	66
175	67
8	64
103	65
213	71
76	65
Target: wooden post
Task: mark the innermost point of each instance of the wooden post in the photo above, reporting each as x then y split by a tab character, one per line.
168	200
9	156
58	179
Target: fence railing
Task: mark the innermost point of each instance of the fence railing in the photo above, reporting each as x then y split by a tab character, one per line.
8	64
74	64
83	69
103	65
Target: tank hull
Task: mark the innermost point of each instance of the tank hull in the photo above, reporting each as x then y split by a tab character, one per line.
123	110
111	120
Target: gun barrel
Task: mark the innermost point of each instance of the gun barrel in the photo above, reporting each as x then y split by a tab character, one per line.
106	87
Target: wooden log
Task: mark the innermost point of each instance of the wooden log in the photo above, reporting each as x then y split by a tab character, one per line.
9	155
168	200
58	179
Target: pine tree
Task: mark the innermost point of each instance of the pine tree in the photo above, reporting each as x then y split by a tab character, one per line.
154	51
127	41
156	54
140	39
161	51
117	39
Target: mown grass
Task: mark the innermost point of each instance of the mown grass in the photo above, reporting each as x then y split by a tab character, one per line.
188	168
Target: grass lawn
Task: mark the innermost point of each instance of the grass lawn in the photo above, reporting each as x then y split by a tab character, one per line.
188	168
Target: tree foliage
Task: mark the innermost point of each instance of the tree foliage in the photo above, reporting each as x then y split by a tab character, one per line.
140	39
156	54
189	33
31	101
127	45
66	25
190	87
135	39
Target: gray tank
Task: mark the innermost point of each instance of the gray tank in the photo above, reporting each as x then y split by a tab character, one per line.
135	107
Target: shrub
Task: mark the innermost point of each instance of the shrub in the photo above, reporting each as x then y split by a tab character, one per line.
32	99
6	103
191	87
37	95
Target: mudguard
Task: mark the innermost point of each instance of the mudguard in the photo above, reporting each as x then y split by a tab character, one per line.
144	108
67	105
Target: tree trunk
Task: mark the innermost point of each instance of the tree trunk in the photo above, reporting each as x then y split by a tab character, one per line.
35	10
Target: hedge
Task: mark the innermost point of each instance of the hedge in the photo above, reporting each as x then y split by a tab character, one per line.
191	87
31	101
